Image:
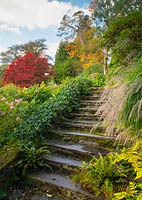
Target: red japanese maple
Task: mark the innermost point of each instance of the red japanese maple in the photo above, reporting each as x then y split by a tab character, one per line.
28	70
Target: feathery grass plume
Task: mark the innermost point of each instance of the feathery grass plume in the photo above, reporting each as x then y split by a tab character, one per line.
122	108
114	99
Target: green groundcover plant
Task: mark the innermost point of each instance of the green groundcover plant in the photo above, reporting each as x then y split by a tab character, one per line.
28	131
118	175
63	102
16	104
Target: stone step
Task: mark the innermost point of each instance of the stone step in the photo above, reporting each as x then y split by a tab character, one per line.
78	149
97	90
42	196
88	109
80	124
62	181
91	103
86	116
93	97
84	122
59	160
85	135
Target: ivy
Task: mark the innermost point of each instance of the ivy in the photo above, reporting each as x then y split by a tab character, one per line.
63	102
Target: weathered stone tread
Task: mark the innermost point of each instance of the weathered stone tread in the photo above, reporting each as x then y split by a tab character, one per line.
87	135
78	148
59	180
81	121
63	160
91	108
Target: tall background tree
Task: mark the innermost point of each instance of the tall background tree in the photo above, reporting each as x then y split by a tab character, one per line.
37	47
82	43
65	65
104	12
124	38
76	25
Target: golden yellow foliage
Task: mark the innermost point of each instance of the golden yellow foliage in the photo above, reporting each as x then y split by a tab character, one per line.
89	54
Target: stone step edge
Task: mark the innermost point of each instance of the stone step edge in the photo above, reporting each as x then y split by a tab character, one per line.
85	115
83	134
61	181
62	160
78	149
81	121
82	125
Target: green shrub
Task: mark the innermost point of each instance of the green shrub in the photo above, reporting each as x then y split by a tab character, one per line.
10	92
24	122
31	157
98	175
92	70
117	176
17	104
95	73
98	79
63	102
11	114
39	94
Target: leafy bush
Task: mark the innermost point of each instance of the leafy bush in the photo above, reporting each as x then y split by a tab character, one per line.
98	79
117	176
93	69
31	158
16	104
10	92
36	115
12	114
95	73
64	101
38	93
98	175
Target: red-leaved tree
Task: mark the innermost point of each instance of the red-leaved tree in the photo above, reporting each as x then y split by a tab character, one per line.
28	70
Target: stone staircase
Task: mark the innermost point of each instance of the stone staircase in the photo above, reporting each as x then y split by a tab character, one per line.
73	144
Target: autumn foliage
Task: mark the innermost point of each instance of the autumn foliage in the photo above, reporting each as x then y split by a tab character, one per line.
28	70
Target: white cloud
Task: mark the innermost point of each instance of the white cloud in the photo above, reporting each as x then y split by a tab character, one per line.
33	14
5	27
52	48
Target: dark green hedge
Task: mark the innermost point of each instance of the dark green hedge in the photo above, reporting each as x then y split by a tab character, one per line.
63	102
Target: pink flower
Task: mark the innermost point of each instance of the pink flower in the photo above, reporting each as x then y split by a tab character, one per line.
18	100
11	107
17	118
11	104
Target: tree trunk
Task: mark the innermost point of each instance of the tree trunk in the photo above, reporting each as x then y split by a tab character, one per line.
81	40
106	62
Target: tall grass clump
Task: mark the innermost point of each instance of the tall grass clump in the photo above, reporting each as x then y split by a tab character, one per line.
122	108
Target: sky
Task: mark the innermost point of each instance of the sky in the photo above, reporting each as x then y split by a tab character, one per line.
22	21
